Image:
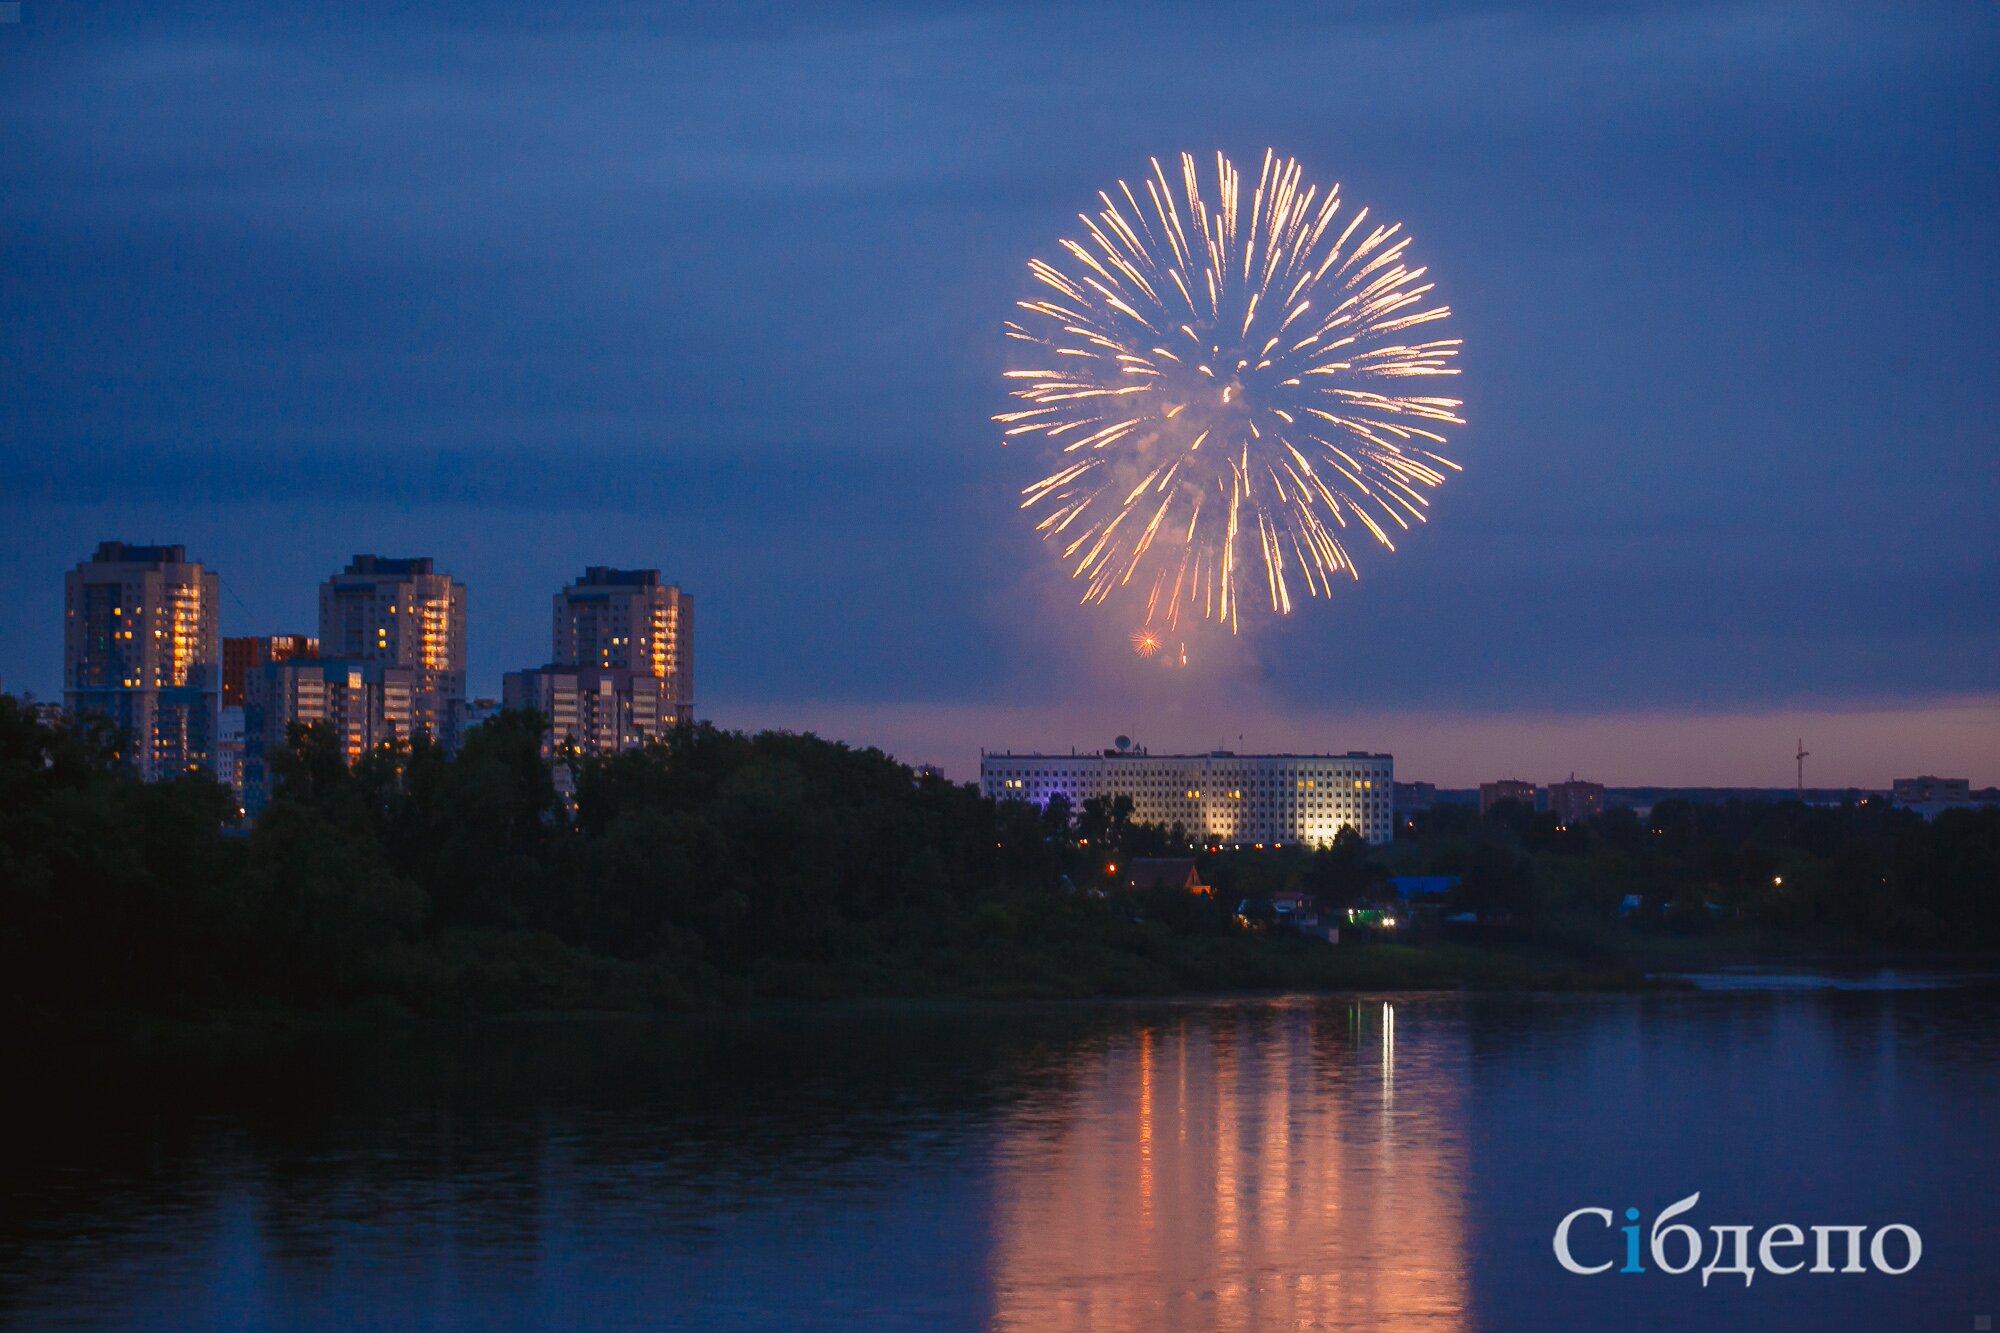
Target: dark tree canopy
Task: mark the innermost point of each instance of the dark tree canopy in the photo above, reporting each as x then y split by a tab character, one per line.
719	866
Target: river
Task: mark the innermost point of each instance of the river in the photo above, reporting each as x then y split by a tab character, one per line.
1369	1162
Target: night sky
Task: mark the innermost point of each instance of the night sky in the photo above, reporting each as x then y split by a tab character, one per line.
718	289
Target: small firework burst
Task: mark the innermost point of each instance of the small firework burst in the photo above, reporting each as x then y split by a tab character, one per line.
1145	642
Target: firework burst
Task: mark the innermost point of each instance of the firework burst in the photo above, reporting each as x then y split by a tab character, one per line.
1222	380
1145	642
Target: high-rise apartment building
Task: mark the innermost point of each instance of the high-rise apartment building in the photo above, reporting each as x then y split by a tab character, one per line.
1242	799
1574	802
627	620
402	612
141	649
621	668
1507	789
366	704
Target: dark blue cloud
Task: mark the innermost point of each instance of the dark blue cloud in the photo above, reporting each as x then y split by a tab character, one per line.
718	287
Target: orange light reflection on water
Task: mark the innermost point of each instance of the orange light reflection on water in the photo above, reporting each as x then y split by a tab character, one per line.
1279	1179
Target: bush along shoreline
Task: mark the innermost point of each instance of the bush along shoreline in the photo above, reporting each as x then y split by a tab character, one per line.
720	868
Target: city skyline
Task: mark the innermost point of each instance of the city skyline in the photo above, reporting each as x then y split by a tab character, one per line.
143	650
733	310
1447	749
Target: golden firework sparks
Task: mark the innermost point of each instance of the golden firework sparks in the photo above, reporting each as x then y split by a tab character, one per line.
1145	642
1267	329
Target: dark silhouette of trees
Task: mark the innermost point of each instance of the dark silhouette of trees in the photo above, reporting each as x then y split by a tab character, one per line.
718	866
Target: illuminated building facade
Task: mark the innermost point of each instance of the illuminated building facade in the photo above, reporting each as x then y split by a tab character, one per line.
240	655
365	703
1237	799
627	620
621	668
229	749
592	708
403	613
141	650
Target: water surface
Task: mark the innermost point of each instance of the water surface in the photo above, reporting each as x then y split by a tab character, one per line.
1385	1162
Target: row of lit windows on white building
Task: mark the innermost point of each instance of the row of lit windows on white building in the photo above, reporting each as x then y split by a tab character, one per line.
1302	798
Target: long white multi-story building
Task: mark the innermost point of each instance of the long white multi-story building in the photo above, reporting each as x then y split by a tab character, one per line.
1238	799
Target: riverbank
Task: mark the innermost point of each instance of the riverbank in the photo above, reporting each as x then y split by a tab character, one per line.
483	979
79	1047
1183	969
1665	954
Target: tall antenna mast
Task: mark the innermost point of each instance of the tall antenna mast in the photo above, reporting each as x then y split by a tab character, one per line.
1801	757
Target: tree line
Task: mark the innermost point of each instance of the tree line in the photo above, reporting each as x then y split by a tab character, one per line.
712	868
719	867
1863	873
